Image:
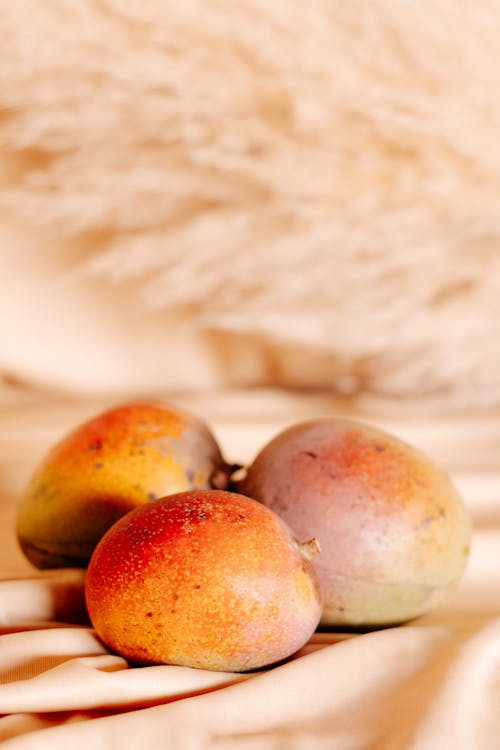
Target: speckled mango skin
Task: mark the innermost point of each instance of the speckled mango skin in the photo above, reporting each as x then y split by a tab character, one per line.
393	531
207	579
124	457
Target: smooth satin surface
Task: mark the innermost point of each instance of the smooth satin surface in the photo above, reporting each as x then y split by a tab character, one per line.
431	684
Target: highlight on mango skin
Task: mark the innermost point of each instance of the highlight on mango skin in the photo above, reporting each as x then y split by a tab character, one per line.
206	578
394	533
125	457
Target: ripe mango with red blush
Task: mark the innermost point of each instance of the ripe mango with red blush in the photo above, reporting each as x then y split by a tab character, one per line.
393	531
122	458
207	579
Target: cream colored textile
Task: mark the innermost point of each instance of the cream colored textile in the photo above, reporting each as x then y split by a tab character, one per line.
428	685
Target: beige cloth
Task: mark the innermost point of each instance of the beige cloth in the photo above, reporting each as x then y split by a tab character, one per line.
429	685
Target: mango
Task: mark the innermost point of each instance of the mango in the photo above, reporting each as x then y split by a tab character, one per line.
122	458
206	579
393	531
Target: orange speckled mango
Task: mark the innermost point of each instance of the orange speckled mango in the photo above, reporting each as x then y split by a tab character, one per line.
393	531
122	458
206	579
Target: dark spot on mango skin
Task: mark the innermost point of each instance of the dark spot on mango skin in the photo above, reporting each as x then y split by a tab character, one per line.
95	445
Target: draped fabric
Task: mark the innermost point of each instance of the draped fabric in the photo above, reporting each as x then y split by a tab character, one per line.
431	684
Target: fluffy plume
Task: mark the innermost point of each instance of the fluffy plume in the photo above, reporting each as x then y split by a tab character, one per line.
323	177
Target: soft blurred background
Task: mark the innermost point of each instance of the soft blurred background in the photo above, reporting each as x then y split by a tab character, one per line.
208	194
261	210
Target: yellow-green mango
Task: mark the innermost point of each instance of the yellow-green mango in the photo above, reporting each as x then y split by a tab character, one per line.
122	458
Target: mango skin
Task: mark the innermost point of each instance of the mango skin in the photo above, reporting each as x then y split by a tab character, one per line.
122	458
393	531
207	579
